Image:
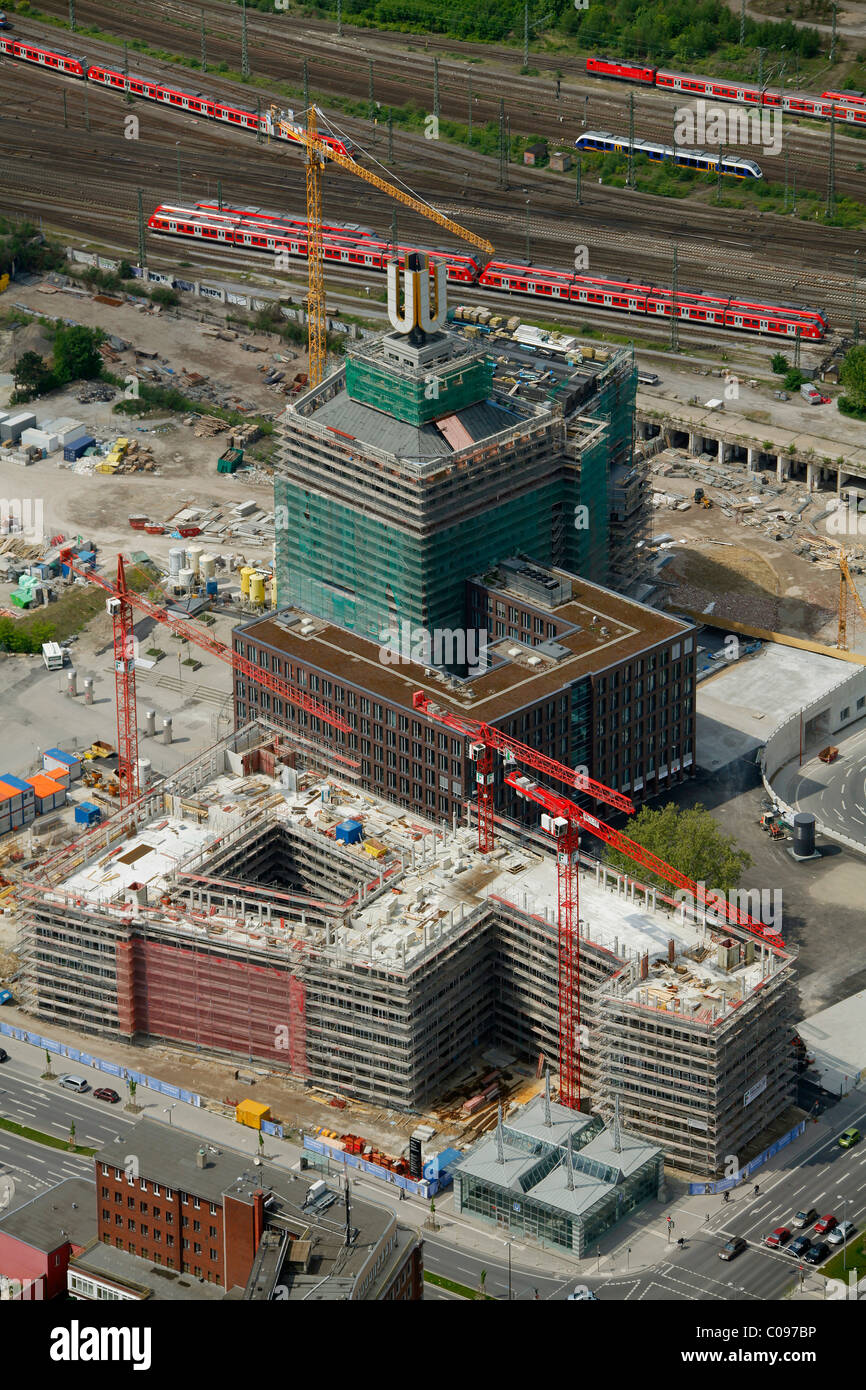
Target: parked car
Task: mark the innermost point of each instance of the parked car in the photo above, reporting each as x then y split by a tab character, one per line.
74	1083
799	1246
4	1055
582	1295
824	1225
849	1138
106	1093
839	1234
777	1238
781	395
818	1253
733	1248
805	1218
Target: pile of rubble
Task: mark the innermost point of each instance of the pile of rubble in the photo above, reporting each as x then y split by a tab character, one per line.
138	458
96	391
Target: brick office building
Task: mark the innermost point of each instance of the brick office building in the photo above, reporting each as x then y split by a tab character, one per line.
580	673
179	1205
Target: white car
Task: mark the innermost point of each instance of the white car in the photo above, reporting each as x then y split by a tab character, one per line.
839	1234
582	1295
74	1083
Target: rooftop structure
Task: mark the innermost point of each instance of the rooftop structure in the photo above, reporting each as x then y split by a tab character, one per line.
390	953
562	1178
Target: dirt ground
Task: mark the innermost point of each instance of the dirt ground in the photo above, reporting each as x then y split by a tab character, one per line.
97	505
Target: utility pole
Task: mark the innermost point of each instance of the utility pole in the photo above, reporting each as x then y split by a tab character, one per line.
245	53
72	15
797	347
65	114
794	192
86	111
470	107
526	33
855	322
629	181
436	88
833	37
577	183
203	44
719	177
831	168
528	249
394	242
128	96
786	178
220	194
339	19
259	119
306	87
371	100
142	244
390	136
742	22
179	194
508	139
761	52
503	169
675	326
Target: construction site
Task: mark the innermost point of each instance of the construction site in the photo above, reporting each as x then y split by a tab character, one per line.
251	907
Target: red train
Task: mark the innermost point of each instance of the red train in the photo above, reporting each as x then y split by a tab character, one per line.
232	227
849	106
150	90
260	231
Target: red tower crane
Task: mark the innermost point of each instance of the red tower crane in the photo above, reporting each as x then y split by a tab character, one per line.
564	820
120	606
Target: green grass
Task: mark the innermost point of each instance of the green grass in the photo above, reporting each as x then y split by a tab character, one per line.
462	1290
37	1137
854	1257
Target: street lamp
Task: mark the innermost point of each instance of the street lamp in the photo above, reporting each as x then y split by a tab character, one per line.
166	1110
844	1201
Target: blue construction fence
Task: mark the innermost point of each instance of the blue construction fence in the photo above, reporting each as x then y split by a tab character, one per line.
706	1189
421	1188
85	1059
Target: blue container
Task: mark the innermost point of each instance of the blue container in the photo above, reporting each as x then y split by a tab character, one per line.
88	813
74	451
349	832
211	586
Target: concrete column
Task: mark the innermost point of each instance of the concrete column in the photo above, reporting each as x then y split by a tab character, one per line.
694	444
811	477
781	468
751	458
723	451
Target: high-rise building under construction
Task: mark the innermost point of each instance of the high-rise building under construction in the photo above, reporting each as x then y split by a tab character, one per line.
427	457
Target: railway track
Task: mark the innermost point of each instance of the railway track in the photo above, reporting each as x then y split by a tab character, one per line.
100	197
402	75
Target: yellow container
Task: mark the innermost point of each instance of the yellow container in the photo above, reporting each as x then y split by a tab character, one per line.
251	1112
375	848
246	571
120	446
257	588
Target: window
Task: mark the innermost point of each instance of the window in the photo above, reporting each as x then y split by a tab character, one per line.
212	1230
844	713
105	1170
196	1225
130	1202
196	1248
156	1189
213	1254
105	1191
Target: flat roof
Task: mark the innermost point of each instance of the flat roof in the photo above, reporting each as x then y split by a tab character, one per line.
64	1213
509	684
143	1277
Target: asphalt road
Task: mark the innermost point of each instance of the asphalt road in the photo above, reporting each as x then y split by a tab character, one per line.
836	792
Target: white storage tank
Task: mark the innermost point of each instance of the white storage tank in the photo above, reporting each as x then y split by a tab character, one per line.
207	565
175	560
193	557
145	773
184	580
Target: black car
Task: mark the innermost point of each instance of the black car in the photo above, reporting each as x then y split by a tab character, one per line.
733	1248
4	1055
799	1246
818	1253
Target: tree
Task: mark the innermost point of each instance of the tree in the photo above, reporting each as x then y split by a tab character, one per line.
75	354
72	1134
780	363
793	380
690	841
32	375
853	376
163	294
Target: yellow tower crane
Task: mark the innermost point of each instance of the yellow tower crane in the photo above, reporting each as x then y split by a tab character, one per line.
317	153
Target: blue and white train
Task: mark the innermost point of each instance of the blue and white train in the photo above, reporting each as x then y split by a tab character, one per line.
732	165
